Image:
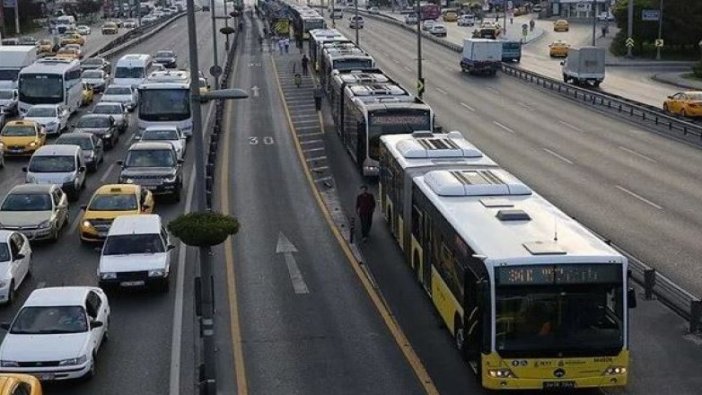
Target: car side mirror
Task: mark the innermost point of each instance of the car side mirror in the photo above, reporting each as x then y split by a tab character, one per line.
120	162
5	326
83	206
145	207
19	256
96	324
181	161
562	62
82	169
670	97
170	247
631	298
24	169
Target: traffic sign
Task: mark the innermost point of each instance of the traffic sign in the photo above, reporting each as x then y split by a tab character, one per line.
630	42
215	71
659	43
420	86
650	15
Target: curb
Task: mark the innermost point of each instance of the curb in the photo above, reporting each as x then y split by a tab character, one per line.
651	64
675	82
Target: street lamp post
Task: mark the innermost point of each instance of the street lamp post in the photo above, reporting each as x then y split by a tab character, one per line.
17	26
594	21
630	26
420	77
660	30
355	5
213	12
226	24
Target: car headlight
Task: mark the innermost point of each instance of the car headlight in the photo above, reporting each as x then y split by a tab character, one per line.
74	361
67	179
87	224
171	178
500	373
52	123
107	135
108	275
33	144
45	224
612	370
9	364
128	181
157	273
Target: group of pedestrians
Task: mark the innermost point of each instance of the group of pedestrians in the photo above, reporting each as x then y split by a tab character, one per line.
283	44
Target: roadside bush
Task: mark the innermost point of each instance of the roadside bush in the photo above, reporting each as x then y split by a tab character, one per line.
203	229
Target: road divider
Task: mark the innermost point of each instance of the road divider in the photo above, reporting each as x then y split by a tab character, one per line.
133	37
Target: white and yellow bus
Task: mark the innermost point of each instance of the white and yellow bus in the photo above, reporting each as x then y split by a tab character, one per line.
532	298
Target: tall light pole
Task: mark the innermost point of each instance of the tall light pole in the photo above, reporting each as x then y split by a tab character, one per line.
420	77
226	24
213	12
594	21
17	26
355	5
630	26
660	30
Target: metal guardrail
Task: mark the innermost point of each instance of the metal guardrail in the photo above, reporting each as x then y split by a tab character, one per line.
672	295
134	36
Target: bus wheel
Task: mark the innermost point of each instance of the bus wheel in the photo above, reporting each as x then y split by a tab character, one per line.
459	337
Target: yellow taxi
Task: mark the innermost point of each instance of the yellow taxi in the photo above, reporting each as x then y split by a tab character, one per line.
109	202
72	38
67	53
110	28
561	25
88	95
450	16
22	137
687	104
24	384
558	49
46	46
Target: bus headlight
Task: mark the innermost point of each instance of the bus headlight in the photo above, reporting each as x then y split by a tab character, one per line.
613	370
500	373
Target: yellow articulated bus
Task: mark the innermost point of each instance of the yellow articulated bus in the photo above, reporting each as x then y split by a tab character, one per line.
532	298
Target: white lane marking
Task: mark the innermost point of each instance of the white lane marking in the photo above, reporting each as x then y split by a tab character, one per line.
406	68
441	91
493	90
174	26
285	247
468	107
108	172
528	107
395	60
641	198
640	155
503	126
577	129
313	149
178	303
311	142
559	156
76	221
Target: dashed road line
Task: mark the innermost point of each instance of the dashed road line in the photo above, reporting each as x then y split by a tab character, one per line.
637	196
559	156
468	107
566	124
443	92
316	158
640	155
503	127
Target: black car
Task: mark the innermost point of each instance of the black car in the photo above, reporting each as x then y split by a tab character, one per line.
101	125
155	166
96	63
167	58
89	143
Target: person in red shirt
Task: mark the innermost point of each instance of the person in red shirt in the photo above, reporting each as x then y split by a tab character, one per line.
365	205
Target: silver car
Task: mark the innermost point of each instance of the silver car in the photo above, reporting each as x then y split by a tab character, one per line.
8	101
118	112
37	211
96	79
121	94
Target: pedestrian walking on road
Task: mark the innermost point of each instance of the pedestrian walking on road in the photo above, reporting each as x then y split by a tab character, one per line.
280	45
305	61
365	205
286	44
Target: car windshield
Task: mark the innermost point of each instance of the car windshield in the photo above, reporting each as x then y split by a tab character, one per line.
6	94
695	96
160	135
17	130
52	164
118	90
150	158
93	122
27	202
133	244
4	253
113	203
47	320
83	142
91	74
107	109
41	112
93	62
129	72
66	51
164	54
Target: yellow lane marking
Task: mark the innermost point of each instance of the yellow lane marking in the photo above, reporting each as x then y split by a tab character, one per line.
392	325
237	351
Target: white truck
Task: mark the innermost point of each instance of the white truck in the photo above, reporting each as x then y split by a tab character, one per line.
14	58
481	55
584	65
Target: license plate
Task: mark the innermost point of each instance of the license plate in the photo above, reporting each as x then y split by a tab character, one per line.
132	283
558	384
102	234
16	150
46	376
151	187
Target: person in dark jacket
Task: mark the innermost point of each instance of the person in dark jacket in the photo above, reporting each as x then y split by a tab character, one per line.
305	61
365	205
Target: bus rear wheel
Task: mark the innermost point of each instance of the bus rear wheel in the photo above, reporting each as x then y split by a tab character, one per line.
460	338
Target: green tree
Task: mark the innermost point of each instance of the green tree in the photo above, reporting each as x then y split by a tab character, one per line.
85	7
203	229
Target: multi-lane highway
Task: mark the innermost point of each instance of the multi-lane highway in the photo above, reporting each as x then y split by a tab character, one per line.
138	357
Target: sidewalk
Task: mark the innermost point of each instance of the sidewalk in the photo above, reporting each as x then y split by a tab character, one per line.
677	79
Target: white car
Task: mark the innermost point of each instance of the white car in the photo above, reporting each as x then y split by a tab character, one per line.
129	24
466	20
605	16
53	117
96	79
83	30
136	253
148	19
121	94
438	30
8	101
356	22
411	19
57	334
374	11
118	112
15	260
426	25
168	134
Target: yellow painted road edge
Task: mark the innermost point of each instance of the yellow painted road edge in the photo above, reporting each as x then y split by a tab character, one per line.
392	325
237	349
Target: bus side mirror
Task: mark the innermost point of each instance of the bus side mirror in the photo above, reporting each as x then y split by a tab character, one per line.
631	298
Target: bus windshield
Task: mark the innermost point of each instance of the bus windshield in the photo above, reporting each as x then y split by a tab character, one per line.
395	121
41	88
164	104
353	64
575	319
9	74
129	72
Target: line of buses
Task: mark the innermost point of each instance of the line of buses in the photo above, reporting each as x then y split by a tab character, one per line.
533	299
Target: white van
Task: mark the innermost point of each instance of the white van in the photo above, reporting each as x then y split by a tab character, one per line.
65	23
62	165
14	58
132	69
137	252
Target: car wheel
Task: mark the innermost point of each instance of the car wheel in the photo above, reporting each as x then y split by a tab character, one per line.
11	292
177	193
106	334
683	113
665	107
91	373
